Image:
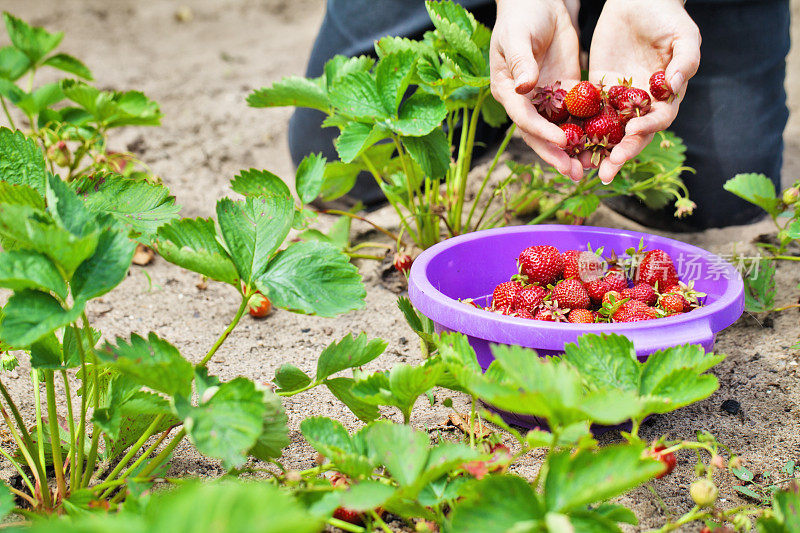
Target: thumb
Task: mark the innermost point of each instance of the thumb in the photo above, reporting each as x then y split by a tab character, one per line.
522	66
684	63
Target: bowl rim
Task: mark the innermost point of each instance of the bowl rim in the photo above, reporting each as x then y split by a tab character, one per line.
717	315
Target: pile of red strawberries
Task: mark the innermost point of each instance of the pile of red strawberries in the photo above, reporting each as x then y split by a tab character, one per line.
594	119
580	287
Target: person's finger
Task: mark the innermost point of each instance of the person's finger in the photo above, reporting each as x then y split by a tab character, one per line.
550	153
518	54
684	62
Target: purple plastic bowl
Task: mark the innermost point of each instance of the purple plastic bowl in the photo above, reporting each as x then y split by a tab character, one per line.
470	266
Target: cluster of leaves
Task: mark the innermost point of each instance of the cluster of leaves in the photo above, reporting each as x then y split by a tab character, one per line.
68	243
70	117
784	211
410	119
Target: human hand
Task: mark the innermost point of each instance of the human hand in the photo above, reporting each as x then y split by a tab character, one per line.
534	43
635	38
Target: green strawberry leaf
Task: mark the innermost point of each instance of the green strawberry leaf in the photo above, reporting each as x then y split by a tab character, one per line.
259	183
350	352
274	434
431	152
30	315
312	278
21	161
34	42
228	424
575	480
192	244
24	269
67	63
756	189
342	389
309	178
292	91
498	503
154	363
253	230
139	206
106	268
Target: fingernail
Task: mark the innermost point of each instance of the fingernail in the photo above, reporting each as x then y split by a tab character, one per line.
676	82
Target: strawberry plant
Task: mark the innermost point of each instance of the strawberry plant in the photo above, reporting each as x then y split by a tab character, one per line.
410	118
69	117
128	402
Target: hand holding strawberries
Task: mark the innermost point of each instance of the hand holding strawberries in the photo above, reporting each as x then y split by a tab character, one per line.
635	38
534	43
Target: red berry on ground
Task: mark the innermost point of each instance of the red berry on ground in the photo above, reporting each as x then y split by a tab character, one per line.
570	294
259	306
659	87
583	100
581	316
402	262
668	459
657	267
529	297
576	138
541	264
503	295
549	102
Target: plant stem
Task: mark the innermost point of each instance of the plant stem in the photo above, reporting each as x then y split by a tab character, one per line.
55	434
221	339
500	150
137	446
8	115
346	526
71	420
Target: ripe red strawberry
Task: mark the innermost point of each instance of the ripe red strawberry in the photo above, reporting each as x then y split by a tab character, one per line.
616	280
668	459
597	289
541	264
523	313
576	138
585	266
570	294
657	267
529	297
583	100
605	126
642	292
503	295
616	91
402	262
633	102
581	316
259	306
659	87
549	102
672	303
348	515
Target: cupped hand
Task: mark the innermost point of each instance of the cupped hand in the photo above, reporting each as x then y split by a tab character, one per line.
534	43
634	39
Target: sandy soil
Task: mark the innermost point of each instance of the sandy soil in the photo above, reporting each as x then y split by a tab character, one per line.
200	72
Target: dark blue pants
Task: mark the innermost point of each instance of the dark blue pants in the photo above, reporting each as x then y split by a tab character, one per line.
731	119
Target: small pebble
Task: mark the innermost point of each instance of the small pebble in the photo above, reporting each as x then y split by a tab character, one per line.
731	406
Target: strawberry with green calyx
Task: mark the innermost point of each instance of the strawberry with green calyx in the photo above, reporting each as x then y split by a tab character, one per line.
584	100
541	264
549	102
570	293
581	316
659	88
529	297
259	306
503	294
576	138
